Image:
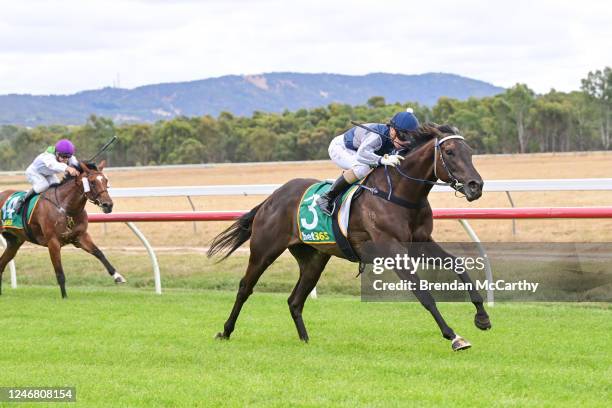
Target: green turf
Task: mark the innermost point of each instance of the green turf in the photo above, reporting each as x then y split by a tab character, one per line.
126	347
184	270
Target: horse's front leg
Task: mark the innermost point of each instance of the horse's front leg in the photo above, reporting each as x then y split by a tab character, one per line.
85	242
481	319
429	303
391	250
56	258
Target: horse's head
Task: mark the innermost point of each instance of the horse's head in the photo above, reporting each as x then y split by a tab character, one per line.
95	185
453	163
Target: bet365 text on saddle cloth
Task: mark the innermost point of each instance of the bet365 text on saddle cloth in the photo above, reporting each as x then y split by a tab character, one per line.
314	226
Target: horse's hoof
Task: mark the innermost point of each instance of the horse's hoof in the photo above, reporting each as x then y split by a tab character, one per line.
304	340
459	343
119	279
482	322
221	336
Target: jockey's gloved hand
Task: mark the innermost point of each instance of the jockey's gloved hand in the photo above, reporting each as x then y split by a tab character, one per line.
391	160
72	171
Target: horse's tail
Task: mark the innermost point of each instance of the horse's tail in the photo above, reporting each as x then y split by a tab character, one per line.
237	234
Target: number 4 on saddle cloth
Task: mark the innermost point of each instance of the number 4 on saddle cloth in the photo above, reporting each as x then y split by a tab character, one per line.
315	227
10	217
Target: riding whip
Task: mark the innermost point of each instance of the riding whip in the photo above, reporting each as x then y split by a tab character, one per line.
367	128
104	148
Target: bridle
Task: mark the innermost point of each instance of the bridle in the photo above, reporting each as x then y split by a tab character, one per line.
87	188
455	184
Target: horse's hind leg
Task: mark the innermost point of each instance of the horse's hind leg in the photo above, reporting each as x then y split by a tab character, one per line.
86	243
56	259
263	253
312	263
12	246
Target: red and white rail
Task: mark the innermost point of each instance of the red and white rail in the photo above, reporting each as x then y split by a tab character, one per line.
438	213
461	214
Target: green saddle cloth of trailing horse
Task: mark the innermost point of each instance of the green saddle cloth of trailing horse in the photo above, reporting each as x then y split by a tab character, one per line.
10	218
314	226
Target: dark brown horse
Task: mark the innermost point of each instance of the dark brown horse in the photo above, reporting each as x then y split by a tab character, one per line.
60	218
438	154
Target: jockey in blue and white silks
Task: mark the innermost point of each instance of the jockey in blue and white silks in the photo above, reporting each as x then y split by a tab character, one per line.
358	150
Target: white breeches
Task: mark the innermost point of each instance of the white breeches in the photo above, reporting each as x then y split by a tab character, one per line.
41	182
346	158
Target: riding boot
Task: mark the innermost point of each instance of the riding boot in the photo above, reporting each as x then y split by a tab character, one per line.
326	201
22	200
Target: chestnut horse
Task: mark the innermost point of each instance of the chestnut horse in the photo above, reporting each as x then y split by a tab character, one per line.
60	218
438	153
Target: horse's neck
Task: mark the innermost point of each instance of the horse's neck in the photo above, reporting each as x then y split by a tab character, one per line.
418	164
70	198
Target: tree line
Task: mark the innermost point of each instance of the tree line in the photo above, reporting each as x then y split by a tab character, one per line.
515	121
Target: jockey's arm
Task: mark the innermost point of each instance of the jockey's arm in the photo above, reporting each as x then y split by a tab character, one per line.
73	162
365	153
52	164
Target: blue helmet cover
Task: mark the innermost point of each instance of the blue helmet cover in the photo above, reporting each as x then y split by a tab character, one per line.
404	121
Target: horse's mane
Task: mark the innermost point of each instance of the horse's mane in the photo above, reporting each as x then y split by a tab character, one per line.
447	129
90	166
68	177
426	132
65	180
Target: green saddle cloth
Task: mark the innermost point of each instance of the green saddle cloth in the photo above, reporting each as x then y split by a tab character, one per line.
10	218
315	227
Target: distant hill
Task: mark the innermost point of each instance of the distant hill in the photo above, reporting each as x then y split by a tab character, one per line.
240	95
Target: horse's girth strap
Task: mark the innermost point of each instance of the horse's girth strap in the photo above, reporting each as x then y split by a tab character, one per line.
397	200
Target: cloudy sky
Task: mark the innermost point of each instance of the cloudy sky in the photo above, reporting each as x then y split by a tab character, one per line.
65	46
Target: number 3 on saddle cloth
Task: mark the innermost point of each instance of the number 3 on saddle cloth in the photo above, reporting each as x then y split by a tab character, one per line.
10	217
315	227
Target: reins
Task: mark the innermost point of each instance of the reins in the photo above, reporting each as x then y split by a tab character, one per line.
55	203
86	189
455	184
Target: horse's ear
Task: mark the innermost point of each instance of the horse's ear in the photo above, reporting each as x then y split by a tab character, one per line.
83	167
102	165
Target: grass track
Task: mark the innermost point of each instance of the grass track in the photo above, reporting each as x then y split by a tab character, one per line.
128	347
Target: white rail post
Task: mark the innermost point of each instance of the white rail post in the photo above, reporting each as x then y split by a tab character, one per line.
488	271
313	294
145	242
195	227
513	220
11	266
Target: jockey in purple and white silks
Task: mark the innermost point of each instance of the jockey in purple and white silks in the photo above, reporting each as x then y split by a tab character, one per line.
358	151
42	173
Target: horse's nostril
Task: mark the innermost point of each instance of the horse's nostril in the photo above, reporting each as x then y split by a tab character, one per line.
474	186
107	208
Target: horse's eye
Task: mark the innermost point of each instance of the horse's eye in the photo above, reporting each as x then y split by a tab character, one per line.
449	152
